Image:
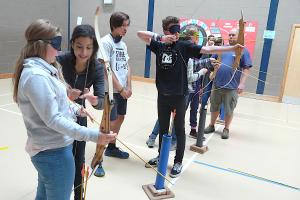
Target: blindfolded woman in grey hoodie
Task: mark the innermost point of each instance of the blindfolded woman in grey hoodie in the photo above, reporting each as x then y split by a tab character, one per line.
47	112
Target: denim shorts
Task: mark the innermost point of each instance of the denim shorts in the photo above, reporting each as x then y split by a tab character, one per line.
119	108
228	97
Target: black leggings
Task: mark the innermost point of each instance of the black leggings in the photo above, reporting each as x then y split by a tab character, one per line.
79	158
166	104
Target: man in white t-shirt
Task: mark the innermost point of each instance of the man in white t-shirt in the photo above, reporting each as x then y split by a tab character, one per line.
116	50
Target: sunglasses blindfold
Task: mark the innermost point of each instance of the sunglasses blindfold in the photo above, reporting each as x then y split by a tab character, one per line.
174	29
55	42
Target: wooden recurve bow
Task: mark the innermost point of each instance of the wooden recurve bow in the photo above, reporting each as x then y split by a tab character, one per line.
241	41
238	52
108	98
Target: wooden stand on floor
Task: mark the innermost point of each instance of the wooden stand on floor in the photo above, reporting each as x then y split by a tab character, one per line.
154	194
220	121
197	149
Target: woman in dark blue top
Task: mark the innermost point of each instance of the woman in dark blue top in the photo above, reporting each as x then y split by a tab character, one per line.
81	70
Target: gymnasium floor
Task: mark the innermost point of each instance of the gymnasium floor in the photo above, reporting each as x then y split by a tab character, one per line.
264	143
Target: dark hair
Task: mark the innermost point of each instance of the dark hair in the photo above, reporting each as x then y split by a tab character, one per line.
86	30
219	41
169	20
117	19
211	37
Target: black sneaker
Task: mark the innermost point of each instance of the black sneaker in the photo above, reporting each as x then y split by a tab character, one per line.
176	170
153	162
209	129
193	133
117	153
225	133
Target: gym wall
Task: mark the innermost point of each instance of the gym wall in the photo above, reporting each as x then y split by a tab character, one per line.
17	14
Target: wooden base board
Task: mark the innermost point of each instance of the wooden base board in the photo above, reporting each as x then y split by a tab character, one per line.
219	121
261	97
154	194
142	79
7	75
197	149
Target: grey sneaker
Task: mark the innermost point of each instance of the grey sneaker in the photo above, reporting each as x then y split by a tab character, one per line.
209	129
176	170
150	142
225	133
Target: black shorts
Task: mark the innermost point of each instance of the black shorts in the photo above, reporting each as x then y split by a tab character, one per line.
119	108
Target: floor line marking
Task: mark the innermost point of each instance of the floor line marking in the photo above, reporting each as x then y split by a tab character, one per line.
5	94
185	166
246	175
16	113
4	148
8	104
271	124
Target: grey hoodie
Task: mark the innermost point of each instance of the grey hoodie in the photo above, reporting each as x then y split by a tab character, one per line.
47	113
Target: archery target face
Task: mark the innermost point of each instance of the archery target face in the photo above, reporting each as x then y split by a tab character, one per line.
203	29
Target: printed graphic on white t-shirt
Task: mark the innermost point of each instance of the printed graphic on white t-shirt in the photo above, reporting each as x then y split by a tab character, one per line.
117	53
121	61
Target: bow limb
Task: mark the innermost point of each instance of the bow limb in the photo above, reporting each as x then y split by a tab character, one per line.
108	98
102	54
241	41
214	73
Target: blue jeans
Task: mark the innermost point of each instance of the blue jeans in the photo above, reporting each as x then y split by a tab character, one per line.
155	132
206	94
56	171
193	101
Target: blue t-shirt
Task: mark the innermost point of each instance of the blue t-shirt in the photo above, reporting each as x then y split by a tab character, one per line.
225	72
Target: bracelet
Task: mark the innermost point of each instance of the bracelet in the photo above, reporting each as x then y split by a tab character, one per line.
156	37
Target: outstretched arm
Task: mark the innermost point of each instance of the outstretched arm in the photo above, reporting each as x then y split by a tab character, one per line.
145	36
219	49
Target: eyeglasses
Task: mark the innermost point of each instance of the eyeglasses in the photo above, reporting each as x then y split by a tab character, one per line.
231	34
